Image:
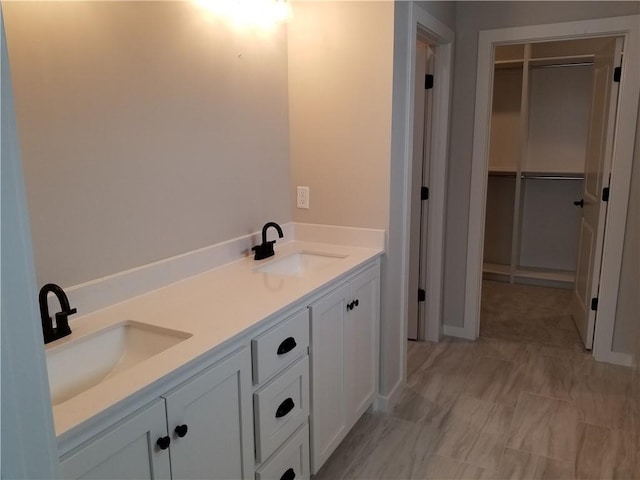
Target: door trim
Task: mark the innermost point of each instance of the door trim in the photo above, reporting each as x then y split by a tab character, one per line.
627	27
441	38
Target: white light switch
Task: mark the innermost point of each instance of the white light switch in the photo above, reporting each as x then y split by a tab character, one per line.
303	197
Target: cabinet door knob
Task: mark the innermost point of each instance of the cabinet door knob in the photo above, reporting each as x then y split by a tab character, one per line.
357	302
579	203
287	345
349	306
163	442
290	474
285	407
181	430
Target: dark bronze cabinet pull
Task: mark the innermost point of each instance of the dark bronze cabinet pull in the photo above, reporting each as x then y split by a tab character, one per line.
181	430
285	407
163	442
290	474
287	345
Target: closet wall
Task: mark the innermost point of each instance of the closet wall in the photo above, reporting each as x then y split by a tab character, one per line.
541	104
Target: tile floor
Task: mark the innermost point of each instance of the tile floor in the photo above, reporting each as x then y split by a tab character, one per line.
519	403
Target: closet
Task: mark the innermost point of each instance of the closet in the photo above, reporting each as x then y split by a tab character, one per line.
542	97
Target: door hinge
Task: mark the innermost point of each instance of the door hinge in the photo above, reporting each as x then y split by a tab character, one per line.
617	73
422	295
605	194
428	81
594	304
424	193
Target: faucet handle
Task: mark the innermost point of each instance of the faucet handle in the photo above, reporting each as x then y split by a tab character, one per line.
62	322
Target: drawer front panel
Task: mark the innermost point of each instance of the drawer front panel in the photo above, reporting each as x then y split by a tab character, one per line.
291	461
280	346
280	407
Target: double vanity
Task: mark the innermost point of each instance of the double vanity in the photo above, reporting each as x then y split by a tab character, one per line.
255	369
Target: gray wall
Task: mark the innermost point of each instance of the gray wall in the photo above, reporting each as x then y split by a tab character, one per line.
470	19
148	129
443	11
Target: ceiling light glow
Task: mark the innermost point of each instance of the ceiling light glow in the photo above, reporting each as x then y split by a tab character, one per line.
262	14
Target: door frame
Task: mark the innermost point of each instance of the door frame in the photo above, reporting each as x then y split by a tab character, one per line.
418	222
28	433
627	27
442	40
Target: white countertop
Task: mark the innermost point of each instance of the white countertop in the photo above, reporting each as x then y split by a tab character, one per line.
214	307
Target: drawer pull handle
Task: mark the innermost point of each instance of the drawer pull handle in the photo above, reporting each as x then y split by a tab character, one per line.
287	345
181	430
285	407
290	474
163	442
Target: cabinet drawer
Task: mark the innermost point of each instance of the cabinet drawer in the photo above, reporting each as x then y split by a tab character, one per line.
279	346
291	461
280	407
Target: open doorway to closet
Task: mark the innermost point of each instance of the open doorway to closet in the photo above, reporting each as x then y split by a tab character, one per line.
550	153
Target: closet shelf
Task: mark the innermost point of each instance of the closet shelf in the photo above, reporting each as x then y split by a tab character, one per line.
505	64
533	175
541	62
502	173
561	61
554	173
553	176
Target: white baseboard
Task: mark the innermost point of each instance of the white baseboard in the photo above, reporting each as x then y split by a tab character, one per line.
384	403
458	332
617	358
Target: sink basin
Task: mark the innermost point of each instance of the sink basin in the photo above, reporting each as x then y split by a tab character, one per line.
77	365
299	264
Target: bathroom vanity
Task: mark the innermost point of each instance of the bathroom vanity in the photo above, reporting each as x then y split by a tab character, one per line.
268	366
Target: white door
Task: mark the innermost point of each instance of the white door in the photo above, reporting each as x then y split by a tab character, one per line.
597	168
329	419
420	178
360	344
210	422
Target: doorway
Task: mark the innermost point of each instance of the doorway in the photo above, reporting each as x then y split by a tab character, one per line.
622	123
553	113
422	122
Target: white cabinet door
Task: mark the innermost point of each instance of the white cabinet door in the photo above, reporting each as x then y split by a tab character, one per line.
360	340
210	422
125	451
329	421
344	361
